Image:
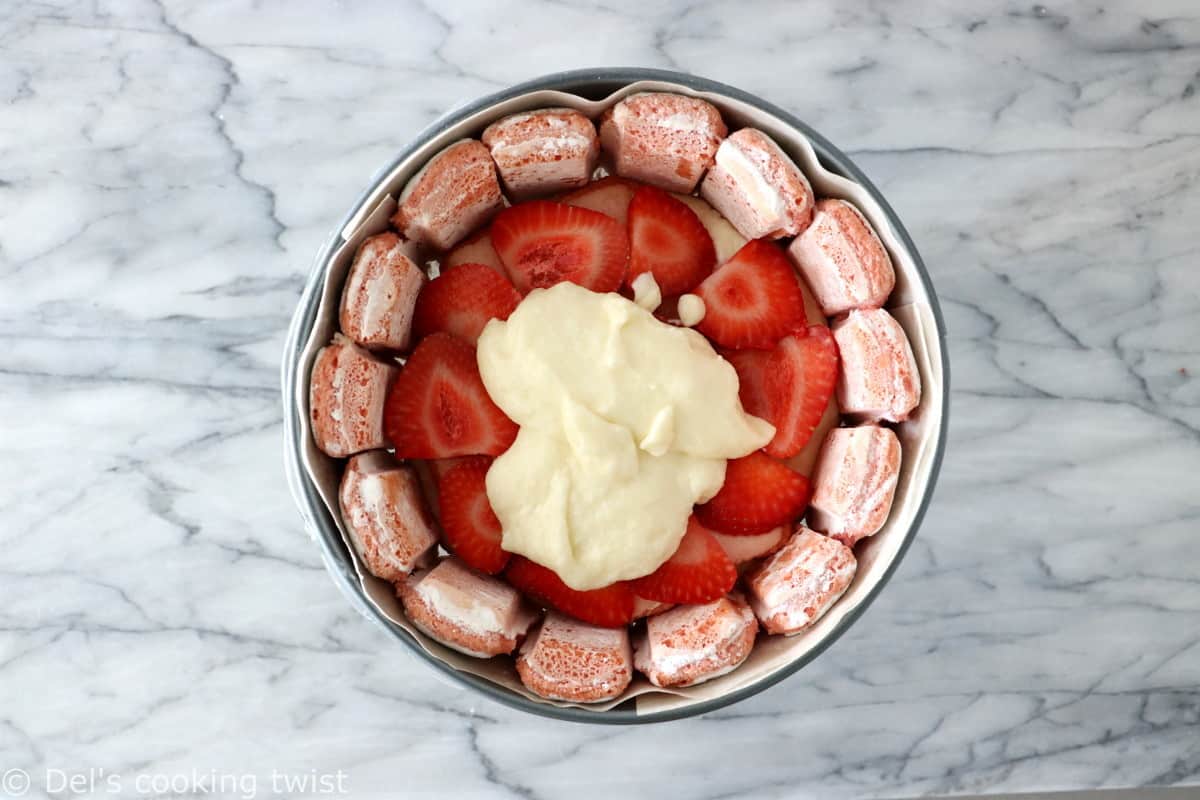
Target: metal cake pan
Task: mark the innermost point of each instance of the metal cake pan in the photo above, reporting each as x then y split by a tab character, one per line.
591	84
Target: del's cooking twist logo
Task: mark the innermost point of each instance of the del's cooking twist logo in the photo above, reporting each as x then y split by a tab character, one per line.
99	781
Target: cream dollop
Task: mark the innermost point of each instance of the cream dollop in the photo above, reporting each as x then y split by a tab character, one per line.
626	423
691	310
646	292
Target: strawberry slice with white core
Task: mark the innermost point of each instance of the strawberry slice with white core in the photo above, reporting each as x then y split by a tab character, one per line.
462	301
542	243
667	239
753	300
788	386
759	494
438	407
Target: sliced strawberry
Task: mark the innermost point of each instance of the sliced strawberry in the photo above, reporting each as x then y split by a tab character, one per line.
462	301
471	530
698	572
438	467
759	494
609	196
438	407
752	367
544	243
788	386
476	249
667	239
804	370
753	299
611	606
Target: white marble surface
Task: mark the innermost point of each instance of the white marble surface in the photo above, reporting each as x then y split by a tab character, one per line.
168	171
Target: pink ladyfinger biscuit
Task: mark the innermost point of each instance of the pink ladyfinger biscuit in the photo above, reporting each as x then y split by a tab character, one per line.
380	294
692	644
854	482
573	661
544	151
758	188
667	140
346	397
879	378
742	549
454	194
842	259
386	515
465	610
796	586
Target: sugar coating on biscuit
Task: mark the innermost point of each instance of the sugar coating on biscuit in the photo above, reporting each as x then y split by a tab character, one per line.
571	660
667	140
758	188
346	397
854	482
544	151
842	259
466	610
386	515
879	379
794	588
695	643
455	193
380	295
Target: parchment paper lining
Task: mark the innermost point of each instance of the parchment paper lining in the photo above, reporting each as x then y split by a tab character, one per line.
919	436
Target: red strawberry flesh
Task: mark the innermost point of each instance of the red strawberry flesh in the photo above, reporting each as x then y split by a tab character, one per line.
542	243
462	301
753	300
759	493
610	607
438	407
788	386
469	526
803	373
668	240
698	572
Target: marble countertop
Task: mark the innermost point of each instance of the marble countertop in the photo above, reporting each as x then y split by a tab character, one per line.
167	172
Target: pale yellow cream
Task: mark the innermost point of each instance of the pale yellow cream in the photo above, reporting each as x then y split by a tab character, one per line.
626	423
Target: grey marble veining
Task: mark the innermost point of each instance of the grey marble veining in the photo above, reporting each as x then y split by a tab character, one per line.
167	172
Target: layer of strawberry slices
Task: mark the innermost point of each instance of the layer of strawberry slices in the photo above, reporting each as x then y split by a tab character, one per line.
758	315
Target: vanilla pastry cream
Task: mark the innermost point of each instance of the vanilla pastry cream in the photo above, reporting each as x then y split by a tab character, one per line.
626	423
691	310
646	292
